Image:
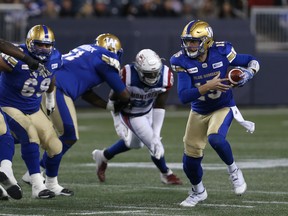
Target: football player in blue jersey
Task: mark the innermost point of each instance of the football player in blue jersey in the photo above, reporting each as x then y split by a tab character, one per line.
26	75
148	82
201	66
85	67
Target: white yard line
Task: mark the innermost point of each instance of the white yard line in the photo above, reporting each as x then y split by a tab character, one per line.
247	164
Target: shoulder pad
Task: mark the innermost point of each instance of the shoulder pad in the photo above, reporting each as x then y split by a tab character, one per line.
225	48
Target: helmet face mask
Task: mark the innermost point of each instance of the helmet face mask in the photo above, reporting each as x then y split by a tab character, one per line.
196	38
110	42
148	66
40	42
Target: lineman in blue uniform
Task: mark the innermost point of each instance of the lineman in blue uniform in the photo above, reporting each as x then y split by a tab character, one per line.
148	82
85	67
21	87
201	66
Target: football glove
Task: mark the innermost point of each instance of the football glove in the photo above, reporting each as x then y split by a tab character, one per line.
120	128
50	103
43	71
34	65
156	149
246	76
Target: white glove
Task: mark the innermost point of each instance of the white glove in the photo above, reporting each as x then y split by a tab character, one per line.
120	128
43	71
110	105
157	149
50	102
247	75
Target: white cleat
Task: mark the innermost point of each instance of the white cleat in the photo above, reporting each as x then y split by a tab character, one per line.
194	198
101	164
59	190
26	177
238	182
42	193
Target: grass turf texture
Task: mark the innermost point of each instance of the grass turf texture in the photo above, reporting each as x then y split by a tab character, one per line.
138	191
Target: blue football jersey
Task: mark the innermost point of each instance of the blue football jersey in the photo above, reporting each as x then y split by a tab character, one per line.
86	67
142	96
23	88
192	73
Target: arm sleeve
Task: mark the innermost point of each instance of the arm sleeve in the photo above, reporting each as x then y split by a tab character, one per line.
186	92
112	77
242	60
158	119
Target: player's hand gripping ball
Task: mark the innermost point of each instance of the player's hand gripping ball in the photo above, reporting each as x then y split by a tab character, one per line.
234	76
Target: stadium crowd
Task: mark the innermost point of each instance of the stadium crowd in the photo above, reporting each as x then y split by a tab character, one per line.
224	9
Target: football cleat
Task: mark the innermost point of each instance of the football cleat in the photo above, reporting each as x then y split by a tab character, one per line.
194	198
26	177
43	194
170	179
101	164
238	182
59	190
11	186
3	194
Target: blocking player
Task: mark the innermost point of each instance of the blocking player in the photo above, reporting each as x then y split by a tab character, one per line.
148	82
201	67
28	72
85	67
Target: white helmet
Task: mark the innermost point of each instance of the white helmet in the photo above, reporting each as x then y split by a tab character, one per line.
148	65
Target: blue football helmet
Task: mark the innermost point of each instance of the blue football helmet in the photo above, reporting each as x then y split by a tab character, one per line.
40	42
196	38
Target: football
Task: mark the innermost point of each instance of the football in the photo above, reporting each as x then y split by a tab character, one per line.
234	76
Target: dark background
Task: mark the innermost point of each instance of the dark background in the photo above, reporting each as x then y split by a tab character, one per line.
268	88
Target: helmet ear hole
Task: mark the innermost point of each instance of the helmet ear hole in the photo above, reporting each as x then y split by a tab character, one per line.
149	65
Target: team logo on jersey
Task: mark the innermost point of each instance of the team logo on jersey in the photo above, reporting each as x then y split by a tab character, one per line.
204	65
192	70
217	65
54	66
24	67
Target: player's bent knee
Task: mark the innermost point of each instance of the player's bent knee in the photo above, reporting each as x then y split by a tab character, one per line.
193	152
216	140
54	147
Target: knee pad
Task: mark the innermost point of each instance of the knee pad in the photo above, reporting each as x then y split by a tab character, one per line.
216	140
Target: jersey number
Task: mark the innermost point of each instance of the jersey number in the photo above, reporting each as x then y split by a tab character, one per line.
29	87
214	94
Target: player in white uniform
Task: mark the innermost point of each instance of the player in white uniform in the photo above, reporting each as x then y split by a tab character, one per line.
139	124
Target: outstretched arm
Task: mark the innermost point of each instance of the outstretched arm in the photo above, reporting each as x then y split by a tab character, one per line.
12	50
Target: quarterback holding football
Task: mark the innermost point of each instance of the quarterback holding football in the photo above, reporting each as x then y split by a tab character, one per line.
201	66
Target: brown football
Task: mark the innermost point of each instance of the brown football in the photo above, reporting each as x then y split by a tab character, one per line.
234	76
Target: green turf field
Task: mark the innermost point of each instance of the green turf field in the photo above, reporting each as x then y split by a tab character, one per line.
128	190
